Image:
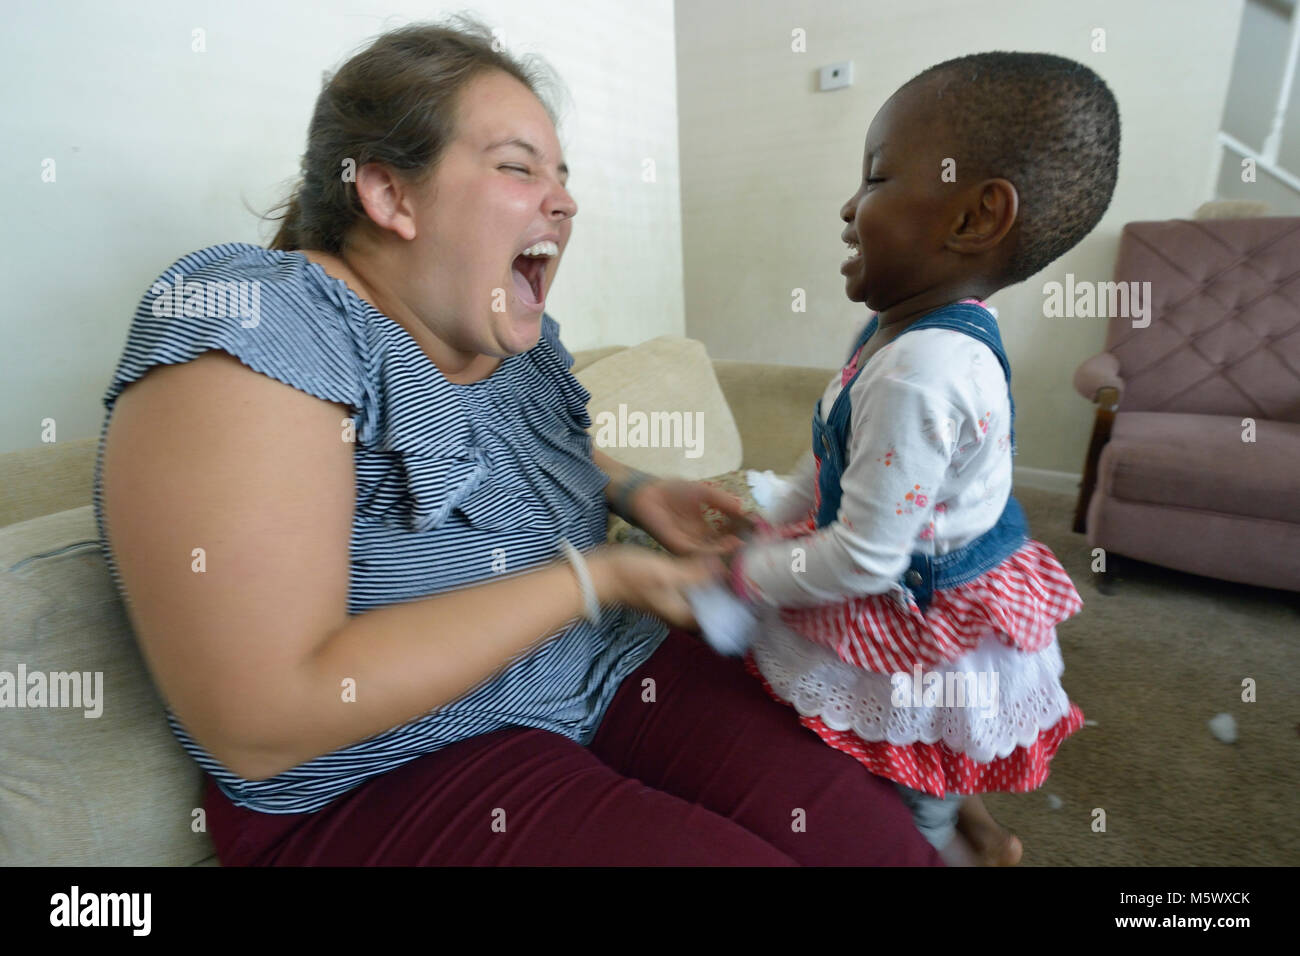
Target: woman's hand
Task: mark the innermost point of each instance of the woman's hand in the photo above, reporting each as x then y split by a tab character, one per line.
672	511
648	581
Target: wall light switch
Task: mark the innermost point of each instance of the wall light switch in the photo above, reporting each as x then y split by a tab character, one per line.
836	76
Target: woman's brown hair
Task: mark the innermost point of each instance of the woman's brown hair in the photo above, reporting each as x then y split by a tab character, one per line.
392	103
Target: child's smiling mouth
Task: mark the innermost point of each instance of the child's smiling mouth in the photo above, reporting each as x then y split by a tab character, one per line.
855	253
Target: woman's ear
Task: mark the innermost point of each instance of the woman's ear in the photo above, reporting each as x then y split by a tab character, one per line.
387	199
987	218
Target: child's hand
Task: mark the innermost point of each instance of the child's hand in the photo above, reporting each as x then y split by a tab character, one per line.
674	512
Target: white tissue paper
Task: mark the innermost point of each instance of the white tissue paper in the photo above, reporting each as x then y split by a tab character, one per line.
767	488
726	621
1224	726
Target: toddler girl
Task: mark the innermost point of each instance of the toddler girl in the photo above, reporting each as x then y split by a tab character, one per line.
913	621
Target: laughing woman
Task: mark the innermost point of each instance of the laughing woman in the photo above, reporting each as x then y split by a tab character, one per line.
306	513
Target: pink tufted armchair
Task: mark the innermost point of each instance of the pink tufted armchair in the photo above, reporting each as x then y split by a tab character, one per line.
1194	462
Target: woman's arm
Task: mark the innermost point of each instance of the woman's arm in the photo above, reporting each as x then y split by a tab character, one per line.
253	648
619	476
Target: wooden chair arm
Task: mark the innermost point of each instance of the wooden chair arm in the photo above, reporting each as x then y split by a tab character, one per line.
1107	400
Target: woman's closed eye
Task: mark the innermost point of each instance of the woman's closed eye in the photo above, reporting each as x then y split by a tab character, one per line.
519	169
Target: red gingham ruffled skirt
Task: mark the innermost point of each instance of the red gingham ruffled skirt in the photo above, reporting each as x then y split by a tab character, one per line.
936	768
1022	599
1020	602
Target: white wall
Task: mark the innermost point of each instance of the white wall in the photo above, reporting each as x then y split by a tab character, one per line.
767	162
159	149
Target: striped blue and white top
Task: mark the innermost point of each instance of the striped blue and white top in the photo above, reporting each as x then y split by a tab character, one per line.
455	484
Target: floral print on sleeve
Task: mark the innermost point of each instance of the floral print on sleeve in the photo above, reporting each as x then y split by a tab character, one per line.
928	427
887	502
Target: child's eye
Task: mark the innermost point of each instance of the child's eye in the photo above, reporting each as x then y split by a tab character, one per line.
875	179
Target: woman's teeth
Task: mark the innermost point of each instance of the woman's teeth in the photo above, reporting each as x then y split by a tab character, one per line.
544	248
854	252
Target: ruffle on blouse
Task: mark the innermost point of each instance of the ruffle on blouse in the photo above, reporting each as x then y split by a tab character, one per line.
1022	600
455	447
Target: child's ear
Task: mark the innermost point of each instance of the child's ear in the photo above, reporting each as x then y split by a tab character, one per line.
987	217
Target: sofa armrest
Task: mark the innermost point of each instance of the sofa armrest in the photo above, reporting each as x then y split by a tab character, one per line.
1097	373
773	407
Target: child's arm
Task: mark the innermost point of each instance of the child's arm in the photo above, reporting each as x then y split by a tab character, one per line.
901	446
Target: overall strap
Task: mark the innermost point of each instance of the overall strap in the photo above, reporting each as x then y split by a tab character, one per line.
830	438
864	336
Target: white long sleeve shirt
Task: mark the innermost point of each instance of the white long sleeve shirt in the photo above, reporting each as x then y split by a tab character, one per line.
928	469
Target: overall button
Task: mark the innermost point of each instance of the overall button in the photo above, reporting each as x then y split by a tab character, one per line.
913	578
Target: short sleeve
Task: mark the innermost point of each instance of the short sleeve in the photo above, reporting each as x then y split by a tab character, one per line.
268	309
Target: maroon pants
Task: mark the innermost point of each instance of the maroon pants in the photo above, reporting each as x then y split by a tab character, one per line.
711	772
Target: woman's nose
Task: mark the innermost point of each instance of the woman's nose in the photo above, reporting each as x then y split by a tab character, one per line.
850	209
560	205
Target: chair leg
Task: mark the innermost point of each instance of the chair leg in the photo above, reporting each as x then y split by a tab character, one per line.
1106	582
1107	401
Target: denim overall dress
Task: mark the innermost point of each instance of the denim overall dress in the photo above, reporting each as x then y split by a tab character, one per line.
926	573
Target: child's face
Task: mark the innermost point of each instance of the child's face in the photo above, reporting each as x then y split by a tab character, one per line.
901	215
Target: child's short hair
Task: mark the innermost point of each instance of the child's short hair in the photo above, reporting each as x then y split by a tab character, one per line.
1047	124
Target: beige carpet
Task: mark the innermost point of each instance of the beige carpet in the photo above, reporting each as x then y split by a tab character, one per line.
1151	663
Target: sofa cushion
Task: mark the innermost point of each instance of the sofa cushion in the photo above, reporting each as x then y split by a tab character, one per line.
773	407
104	782
585	357
45	479
1200	462
658	407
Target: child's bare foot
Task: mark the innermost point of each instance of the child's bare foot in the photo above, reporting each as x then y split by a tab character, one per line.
986	840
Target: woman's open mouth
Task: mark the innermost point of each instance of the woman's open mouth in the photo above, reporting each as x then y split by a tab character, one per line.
529	272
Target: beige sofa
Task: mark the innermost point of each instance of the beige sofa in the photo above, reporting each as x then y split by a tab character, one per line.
116	789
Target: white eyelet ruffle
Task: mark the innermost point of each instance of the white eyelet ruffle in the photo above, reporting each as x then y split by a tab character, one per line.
1016	694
